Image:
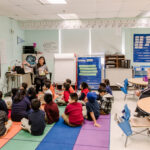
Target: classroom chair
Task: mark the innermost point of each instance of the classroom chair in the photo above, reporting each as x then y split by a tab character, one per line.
124	89
125	123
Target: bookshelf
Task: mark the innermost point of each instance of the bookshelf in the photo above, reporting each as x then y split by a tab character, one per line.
114	61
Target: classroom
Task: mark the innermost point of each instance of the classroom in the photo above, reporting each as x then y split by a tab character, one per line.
74	74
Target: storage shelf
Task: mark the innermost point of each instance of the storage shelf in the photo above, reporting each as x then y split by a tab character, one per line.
110	63
116	60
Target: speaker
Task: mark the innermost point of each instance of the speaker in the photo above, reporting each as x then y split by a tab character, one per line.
28	50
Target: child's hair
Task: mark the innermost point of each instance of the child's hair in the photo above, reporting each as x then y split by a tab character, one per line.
74	96
102	85
35	104
31	92
48	80
67	86
64	84
24	85
19	95
47	83
68	81
84	85
48	98
101	90
106	81
1	95
14	91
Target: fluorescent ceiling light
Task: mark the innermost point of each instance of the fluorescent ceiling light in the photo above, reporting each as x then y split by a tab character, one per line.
53	1
68	16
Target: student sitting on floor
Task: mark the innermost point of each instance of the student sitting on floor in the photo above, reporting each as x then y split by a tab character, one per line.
36	123
51	109
3	105
10	100
84	91
93	109
24	86
73	112
5	124
14	92
66	94
108	88
104	102
71	88
102	86
101	93
46	89
20	106
31	93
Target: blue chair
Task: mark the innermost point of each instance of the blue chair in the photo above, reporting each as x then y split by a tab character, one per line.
125	123
124	89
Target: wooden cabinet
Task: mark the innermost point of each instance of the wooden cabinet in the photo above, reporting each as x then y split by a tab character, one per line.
114	61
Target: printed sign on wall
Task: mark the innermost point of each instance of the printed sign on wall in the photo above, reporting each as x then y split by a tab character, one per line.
141	48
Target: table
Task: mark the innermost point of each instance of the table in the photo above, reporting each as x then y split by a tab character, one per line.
144	105
138	81
13	78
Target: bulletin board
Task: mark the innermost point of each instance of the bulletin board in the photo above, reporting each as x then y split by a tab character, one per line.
141	48
89	71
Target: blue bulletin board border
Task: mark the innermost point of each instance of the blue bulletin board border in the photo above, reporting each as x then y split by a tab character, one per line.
141	48
89	71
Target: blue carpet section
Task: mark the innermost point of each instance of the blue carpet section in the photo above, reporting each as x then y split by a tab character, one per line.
60	137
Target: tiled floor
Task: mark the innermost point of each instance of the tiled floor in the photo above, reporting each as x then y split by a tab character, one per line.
138	142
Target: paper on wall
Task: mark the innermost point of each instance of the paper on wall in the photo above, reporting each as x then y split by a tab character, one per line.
50	47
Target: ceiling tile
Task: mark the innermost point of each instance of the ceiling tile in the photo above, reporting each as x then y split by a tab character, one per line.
33	9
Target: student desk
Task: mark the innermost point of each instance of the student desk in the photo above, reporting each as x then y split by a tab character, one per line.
138	81
144	105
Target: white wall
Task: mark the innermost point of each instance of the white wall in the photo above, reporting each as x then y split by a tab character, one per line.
10	50
107	40
75	41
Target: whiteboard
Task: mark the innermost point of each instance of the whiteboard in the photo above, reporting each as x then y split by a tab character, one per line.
64	68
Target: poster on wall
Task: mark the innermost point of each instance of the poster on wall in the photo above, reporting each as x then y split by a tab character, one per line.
89	71
141	48
50	47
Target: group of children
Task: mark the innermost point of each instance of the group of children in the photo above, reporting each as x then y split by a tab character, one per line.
26	106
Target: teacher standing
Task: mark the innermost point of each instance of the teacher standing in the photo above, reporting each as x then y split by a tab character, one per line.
40	70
